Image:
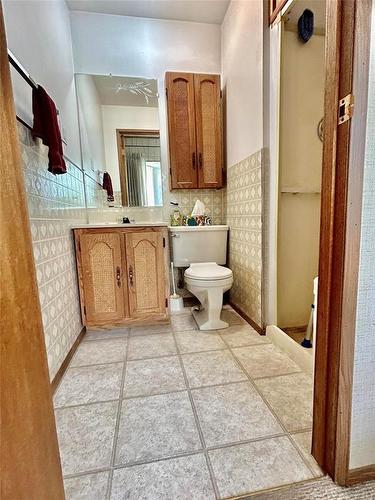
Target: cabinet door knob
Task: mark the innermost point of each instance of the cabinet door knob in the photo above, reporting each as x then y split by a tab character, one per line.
118	276
131	275
193	160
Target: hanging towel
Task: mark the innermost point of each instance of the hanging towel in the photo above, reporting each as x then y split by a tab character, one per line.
46	127
107	185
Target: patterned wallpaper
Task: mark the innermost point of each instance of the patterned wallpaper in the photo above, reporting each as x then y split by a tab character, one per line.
362	446
54	204
243	213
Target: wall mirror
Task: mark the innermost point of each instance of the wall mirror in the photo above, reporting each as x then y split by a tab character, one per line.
119	128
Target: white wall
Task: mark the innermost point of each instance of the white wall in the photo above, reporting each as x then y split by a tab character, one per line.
362	445
130	46
126	117
242	80
38	34
91	124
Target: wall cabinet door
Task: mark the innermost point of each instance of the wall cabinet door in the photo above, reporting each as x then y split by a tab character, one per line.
208	130
145	270
181	128
101	274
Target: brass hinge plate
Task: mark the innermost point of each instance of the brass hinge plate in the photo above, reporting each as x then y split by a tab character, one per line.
346	108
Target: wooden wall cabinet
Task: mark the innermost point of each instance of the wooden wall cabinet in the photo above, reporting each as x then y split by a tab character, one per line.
194	126
123	275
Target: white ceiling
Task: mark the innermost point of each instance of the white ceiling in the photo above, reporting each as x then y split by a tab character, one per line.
200	11
107	86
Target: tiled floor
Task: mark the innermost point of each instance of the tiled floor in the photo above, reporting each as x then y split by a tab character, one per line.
170	412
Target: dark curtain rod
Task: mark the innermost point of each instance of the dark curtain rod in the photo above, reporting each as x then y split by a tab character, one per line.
21	70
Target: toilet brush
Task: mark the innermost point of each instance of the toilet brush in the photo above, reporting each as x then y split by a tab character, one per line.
176	302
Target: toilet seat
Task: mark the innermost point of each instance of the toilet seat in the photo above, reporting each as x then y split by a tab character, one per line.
207	271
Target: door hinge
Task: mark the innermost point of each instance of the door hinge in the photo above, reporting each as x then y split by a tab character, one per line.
166	302
346	108
163	242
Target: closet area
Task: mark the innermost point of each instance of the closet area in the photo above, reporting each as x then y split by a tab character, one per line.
300	164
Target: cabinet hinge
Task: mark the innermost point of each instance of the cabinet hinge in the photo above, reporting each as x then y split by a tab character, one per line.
166	92
221	94
346	108
163	242
84	310
166	302
79	245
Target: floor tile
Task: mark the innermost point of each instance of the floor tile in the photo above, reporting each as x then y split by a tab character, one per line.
303	441
150	329
151	346
86	436
211	368
183	478
265	360
153	376
258	465
233	413
87	384
106	334
242	335
156	427
232	318
90	487
182	322
290	396
197	340
101	351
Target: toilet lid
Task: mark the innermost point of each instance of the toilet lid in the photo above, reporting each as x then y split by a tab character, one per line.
207	271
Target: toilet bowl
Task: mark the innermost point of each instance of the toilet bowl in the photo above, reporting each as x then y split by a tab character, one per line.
208	281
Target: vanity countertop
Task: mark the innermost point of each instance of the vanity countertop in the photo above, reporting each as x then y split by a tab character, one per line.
125	226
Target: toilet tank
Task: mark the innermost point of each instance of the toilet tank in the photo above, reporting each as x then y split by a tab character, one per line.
191	244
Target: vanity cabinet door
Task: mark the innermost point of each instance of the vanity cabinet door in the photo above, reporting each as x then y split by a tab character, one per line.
146	275
181	128
208	130
101	274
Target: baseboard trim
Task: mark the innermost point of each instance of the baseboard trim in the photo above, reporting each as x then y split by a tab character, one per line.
251	322
64	365
360	475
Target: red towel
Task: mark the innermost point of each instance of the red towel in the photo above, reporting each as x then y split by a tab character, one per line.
46	127
107	185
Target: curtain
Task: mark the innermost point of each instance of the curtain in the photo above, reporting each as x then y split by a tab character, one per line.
135	167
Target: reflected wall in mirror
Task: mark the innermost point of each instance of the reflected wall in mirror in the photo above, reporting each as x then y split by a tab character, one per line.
119	128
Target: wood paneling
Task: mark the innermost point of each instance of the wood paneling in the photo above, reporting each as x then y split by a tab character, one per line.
30	462
208	130
145	273
360	475
181	128
102	275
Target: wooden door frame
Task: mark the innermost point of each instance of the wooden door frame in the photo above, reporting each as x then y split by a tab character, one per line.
29	449
347	62
121	156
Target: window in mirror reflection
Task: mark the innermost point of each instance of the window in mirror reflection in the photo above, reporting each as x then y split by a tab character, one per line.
140	168
119	128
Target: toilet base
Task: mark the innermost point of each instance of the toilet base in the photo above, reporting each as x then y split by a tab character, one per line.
205	323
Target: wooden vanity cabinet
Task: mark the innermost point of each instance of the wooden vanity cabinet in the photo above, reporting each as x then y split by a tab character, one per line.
123	275
194	126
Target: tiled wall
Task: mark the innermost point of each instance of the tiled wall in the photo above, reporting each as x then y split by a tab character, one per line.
362	445
55	203
186	198
243	214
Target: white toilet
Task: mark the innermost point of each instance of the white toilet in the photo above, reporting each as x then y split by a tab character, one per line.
203	249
